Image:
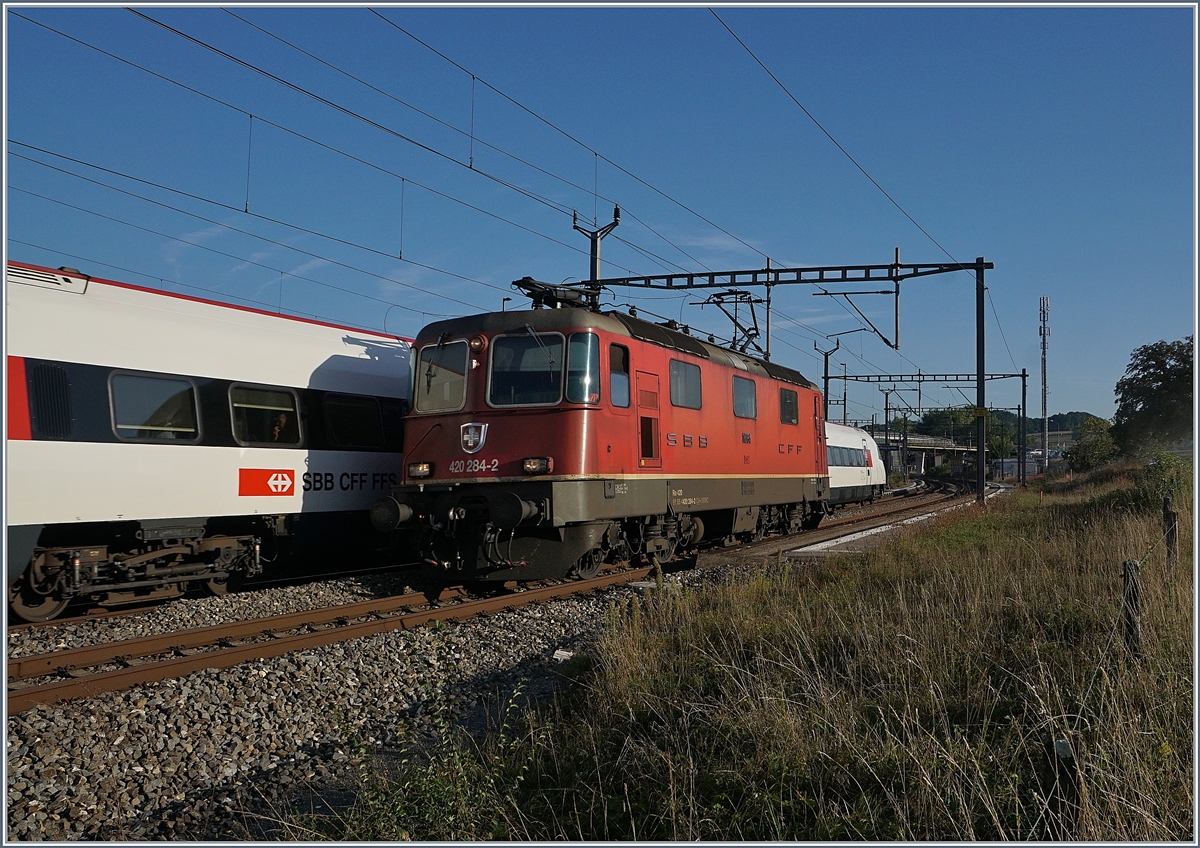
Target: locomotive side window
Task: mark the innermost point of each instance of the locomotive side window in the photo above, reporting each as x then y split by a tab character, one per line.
264	416
618	375
789	407
583	368
745	399
685	384
526	370
153	409
354	421
441	377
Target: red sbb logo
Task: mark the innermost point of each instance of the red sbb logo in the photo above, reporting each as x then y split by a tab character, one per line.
266	482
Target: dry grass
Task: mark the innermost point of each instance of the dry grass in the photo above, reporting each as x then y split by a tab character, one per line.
915	693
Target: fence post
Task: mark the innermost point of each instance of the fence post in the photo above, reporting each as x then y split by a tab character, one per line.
1130	603
1171	529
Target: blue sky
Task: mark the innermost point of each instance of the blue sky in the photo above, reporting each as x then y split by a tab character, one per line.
1055	142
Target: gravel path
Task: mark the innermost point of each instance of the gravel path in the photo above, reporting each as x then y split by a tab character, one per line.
182	759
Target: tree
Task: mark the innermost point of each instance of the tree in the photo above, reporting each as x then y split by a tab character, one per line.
1001	440
1094	447
1154	398
954	423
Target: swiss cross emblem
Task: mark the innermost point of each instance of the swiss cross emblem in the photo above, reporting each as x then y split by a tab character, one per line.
266	482
473	436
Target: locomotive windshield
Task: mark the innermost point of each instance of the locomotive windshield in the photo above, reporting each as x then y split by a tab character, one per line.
526	370
583	368
441	376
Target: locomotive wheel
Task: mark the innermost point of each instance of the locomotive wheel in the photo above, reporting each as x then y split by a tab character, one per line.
811	520
589	564
30	606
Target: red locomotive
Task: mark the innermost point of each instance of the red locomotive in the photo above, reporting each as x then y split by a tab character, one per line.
548	441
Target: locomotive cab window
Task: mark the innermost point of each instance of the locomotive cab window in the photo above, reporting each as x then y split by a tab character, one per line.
789	407
441	377
618	375
685	384
745	400
354	421
526	369
264	416
153	409
583	368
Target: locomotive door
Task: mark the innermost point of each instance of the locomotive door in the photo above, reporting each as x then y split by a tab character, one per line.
649	455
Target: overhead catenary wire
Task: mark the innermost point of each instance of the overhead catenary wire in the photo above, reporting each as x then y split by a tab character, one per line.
474	139
91	260
404	180
244	259
282	244
855	162
556	128
561	208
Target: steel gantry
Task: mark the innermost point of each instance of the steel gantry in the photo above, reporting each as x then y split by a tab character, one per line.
921	377
831	275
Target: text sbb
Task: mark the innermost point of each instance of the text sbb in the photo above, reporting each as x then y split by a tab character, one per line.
349	481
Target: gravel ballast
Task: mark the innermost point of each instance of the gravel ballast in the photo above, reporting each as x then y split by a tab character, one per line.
187	758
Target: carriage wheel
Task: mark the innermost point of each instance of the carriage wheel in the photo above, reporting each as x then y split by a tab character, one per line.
32	606
225	584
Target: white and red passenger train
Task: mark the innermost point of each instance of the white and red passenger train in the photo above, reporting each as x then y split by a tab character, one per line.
856	469
548	441
155	439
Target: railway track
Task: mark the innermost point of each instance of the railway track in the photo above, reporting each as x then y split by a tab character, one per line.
82	672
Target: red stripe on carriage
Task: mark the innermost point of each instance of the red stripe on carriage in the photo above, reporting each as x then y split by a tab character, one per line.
18	400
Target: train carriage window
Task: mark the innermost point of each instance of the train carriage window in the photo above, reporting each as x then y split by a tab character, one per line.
354	421
441	377
618	375
153	409
526	370
685	385
264	416
745	398
789	407
583	368
49	400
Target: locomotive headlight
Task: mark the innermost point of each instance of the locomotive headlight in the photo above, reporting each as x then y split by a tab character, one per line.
478	344
420	469
538	465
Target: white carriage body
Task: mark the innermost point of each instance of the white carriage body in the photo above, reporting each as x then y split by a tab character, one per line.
856	470
91	329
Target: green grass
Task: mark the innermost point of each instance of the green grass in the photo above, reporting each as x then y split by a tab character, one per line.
913	693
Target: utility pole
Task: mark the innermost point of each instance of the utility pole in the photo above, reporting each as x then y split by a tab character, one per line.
595	236
844	384
1023	436
1044	332
887	396
826	354
981	402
